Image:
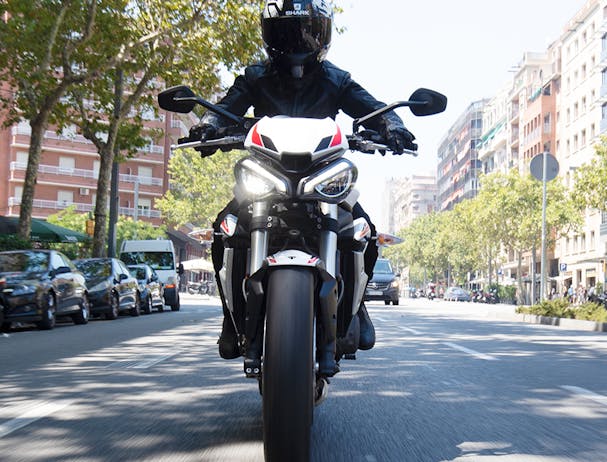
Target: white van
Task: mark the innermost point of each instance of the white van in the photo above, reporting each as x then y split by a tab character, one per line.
160	255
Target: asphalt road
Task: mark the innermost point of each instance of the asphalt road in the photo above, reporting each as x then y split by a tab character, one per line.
444	383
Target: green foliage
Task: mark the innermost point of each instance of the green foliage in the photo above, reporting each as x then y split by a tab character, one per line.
590	186
203	187
128	229
562	308
591	312
13	242
558	308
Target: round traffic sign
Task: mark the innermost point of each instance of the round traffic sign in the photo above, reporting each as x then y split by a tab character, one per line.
537	167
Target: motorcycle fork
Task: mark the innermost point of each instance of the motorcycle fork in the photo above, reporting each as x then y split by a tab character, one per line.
326	300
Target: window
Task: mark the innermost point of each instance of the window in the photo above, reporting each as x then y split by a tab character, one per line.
65	198
96	166
66	164
18	192
22	158
144	175
144	206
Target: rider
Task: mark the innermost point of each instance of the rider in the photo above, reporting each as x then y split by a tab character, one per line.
297	81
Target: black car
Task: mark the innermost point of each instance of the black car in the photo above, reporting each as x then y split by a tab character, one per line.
111	287
150	288
39	286
384	285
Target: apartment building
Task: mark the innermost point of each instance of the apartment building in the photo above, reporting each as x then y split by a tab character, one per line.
556	102
409	198
583	120
458	162
69	169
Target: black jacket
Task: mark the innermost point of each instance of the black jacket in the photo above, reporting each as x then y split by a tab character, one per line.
321	93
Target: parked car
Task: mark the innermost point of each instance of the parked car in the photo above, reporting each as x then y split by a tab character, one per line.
39	286
457	294
150	288
111	287
384	284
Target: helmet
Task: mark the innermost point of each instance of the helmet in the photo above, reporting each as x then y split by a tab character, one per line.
296	33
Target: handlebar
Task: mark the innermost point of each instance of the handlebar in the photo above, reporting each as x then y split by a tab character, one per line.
355	142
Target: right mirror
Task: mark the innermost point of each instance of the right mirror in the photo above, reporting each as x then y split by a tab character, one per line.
433	102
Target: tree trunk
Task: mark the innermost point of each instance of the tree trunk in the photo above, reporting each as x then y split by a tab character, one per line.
38	126
519	277
101	203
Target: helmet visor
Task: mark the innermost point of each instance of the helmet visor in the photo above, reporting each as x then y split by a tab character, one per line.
297	35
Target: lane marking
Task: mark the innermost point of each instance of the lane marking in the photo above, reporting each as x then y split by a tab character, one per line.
37	412
601	399
474	353
143	363
410	329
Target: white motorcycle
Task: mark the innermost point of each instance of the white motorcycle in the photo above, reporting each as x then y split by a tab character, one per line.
305	277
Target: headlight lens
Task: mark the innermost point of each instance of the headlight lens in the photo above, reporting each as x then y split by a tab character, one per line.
337	185
333	182
256	180
394	284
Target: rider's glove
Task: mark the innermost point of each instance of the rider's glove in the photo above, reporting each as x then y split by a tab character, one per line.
399	138
203	132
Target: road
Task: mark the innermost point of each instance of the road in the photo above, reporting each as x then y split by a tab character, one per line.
444	383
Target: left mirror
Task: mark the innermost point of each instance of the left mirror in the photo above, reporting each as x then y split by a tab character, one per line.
169	99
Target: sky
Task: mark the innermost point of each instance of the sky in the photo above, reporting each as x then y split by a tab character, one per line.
465	49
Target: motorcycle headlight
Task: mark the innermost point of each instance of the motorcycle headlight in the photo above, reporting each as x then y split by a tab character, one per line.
256	180
333	182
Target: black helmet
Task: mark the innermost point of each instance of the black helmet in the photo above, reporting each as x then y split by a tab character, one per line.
296	33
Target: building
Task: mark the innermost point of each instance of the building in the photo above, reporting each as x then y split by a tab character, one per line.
409	198
458	163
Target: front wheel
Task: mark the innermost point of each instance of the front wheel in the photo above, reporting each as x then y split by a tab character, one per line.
49	312
288	365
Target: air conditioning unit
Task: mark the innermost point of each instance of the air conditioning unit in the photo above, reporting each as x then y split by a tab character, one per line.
84	191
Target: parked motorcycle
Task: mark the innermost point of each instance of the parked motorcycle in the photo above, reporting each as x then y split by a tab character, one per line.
200	288
306	277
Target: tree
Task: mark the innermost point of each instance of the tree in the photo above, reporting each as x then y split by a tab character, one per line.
46	47
203	187
175	39
590	187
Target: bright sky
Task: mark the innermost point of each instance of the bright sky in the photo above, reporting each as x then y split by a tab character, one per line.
462	48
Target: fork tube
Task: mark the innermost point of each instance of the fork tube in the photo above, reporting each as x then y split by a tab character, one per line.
328	238
259	238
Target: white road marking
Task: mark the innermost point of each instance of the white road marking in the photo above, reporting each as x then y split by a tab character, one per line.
146	363
410	329
474	353
34	412
601	399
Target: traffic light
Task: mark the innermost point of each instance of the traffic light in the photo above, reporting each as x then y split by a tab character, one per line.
90	227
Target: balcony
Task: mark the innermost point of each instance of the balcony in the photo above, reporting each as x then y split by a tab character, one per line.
25	129
80	207
87	174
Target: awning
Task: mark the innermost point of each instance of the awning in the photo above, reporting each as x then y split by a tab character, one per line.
198	264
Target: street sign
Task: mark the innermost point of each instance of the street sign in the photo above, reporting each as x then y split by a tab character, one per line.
537	167
563	267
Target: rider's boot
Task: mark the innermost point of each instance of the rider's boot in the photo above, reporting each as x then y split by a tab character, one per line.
228	340
367	331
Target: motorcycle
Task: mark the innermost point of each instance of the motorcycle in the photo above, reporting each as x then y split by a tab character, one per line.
200	288
305	277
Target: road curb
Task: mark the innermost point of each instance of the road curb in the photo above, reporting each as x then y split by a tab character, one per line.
565	323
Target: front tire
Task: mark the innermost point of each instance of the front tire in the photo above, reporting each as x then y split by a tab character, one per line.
288	365
49	313
83	315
